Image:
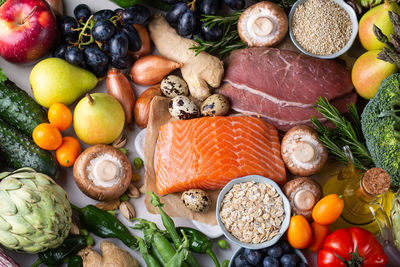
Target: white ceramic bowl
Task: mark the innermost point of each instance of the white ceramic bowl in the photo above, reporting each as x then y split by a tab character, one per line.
239	250
354	21
258	179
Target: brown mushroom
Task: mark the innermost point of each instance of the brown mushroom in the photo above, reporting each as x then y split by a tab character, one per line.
102	172
263	24
303	193
302	152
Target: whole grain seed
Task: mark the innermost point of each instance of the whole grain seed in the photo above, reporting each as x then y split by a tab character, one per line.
321	27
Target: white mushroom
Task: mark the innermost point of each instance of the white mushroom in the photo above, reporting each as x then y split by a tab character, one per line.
263	24
302	152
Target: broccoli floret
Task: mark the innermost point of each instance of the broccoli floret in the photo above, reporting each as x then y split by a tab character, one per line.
380	122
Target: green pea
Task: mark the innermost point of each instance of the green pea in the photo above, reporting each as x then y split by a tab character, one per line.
223	244
124	197
138	163
225	263
124	150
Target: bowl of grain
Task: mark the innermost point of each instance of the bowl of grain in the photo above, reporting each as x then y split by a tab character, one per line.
253	212
323	28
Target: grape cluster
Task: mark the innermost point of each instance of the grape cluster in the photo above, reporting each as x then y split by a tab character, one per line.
184	17
97	41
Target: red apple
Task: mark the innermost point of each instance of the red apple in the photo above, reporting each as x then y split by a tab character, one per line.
28	29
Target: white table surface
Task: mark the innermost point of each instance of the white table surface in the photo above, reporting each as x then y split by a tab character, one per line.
20	75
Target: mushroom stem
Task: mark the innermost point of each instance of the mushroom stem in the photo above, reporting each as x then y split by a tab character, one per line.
263	26
304	152
106	170
304	200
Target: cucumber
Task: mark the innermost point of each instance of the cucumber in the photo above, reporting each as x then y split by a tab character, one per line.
18	109
18	150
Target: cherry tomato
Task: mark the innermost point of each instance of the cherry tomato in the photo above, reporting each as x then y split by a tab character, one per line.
47	136
68	151
299	232
60	116
328	209
319	234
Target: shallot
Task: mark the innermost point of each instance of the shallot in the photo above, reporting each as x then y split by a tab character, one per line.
152	69
142	106
119	87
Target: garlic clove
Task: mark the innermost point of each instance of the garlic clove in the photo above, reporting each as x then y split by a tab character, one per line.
304	152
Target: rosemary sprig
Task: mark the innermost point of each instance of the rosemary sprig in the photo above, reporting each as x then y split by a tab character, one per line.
230	38
347	132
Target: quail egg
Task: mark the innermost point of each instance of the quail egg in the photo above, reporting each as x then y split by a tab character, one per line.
196	200
181	107
173	85
215	105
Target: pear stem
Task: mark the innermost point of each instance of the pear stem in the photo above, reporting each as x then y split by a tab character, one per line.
90	99
29	15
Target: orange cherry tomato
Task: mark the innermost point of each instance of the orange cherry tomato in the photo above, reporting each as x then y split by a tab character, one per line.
299	232
47	136
68	151
328	209
60	116
319	234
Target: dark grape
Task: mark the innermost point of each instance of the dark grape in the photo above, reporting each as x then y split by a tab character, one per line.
176	12
60	51
122	62
103	30
302	264
170	2
286	247
67	25
214	34
104	14
136	15
275	251
82	12
288	260
208	7
119	45
135	43
73	55
118	10
253	256
235	4
94	56
99	71
270	262
240	260
187	23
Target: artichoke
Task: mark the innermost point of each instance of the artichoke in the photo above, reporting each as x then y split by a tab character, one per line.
395	218
35	213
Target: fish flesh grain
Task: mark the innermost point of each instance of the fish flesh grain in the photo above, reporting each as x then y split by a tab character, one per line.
206	153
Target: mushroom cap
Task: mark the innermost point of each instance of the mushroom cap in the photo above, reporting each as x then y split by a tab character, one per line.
302	142
303	193
263	24
87	186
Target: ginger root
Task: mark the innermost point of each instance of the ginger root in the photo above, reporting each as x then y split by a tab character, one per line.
198	71
112	256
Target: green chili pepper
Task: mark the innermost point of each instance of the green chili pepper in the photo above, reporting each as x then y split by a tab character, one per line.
75	261
200	243
170	227
225	263
223	244
138	163
55	256
126	3
148	258
103	224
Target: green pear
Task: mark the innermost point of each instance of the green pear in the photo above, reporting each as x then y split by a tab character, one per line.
55	80
379	16
98	119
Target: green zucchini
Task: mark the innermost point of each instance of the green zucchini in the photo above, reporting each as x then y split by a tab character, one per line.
19	151
18	109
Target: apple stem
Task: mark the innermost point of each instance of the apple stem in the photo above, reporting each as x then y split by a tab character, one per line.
29	15
90	99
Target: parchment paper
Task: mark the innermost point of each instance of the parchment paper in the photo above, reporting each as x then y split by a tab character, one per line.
174	207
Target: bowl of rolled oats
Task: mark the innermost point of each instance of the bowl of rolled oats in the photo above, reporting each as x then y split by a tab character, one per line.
253	212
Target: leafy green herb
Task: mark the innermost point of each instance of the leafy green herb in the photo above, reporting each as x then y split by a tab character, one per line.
230	38
2	2
3	76
347	132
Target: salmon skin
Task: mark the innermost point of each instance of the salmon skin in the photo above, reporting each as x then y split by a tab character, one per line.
208	152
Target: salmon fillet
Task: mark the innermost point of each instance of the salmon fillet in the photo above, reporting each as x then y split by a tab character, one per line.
207	153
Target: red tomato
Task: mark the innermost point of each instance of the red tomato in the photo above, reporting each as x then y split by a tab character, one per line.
346	243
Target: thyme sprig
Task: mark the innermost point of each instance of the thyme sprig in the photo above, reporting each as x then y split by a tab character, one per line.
347	132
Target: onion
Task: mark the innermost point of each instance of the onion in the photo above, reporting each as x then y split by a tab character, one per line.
56	6
151	69
119	87
142	106
146	43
